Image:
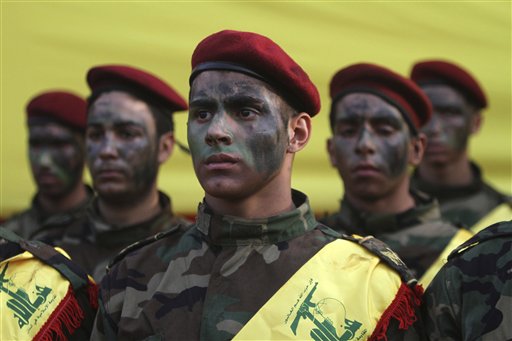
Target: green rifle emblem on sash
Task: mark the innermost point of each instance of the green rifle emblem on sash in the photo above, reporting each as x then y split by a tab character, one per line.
20	302
325	329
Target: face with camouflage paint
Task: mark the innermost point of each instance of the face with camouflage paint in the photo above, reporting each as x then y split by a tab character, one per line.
57	158
452	123
122	147
236	132
370	145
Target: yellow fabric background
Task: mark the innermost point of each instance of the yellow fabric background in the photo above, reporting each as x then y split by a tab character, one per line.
51	44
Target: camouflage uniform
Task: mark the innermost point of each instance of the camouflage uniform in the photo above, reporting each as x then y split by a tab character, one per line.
83	289
463	205
35	224
208	283
93	243
471	297
418	235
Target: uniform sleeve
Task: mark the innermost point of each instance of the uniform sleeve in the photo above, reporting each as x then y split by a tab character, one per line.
105	324
442	305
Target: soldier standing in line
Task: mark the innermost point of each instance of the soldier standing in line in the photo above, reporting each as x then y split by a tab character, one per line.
256	264
470	298
56	124
129	135
375	117
446	171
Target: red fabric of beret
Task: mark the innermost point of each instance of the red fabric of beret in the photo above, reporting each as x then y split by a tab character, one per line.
442	72
112	76
260	57
392	87
62	106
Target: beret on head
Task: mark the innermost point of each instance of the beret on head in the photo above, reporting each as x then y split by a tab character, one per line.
261	58
144	84
390	86
441	72
62	106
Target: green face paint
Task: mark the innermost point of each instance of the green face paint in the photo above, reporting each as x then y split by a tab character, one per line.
450	127
236	133
370	145
56	156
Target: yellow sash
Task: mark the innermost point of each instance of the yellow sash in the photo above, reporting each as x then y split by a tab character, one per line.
30	292
339	294
502	212
460	237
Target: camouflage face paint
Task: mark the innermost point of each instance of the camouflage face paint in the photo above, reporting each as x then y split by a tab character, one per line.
57	158
450	127
370	144
122	149
236	132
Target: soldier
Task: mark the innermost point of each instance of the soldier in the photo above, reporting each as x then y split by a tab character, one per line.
256	264
446	171
129	135
470	298
375	117
56	125
43	295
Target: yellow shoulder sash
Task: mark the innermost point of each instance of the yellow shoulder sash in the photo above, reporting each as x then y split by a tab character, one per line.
460	237
502	212
342	293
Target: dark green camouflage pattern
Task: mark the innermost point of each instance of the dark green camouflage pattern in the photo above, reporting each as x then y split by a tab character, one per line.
418	235
94	243
471	296
84	290
464	205
35	224
207	284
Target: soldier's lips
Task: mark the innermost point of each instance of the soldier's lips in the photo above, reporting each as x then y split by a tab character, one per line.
221	161
366	170
109	173
47	178
435	148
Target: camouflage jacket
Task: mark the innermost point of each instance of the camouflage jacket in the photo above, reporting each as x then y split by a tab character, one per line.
418	235
64	324
471	296
35	224
93	243
463	205
206	284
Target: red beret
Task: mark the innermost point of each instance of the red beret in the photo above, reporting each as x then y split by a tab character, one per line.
441	72
259	57
65	107
144	83
392	87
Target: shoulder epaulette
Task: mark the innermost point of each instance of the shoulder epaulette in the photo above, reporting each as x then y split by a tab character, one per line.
498	230
53	258
385	254
141	243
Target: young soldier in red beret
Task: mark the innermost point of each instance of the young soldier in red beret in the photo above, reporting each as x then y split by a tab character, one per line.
56	124
446	171
256	264
129	135
375	117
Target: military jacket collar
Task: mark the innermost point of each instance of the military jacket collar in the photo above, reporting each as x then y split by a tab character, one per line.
449	192
61	218
233	231
367	223
107	234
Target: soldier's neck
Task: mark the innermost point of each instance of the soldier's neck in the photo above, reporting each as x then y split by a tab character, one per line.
457	173
53	205
272	200
396	201
127	214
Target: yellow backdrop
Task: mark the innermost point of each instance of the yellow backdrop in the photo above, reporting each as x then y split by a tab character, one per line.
51	44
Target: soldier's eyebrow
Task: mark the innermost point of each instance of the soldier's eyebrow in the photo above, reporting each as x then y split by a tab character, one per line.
202	102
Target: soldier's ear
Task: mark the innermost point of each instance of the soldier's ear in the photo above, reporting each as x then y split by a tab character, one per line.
417	149
476	122
299	132
165	147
